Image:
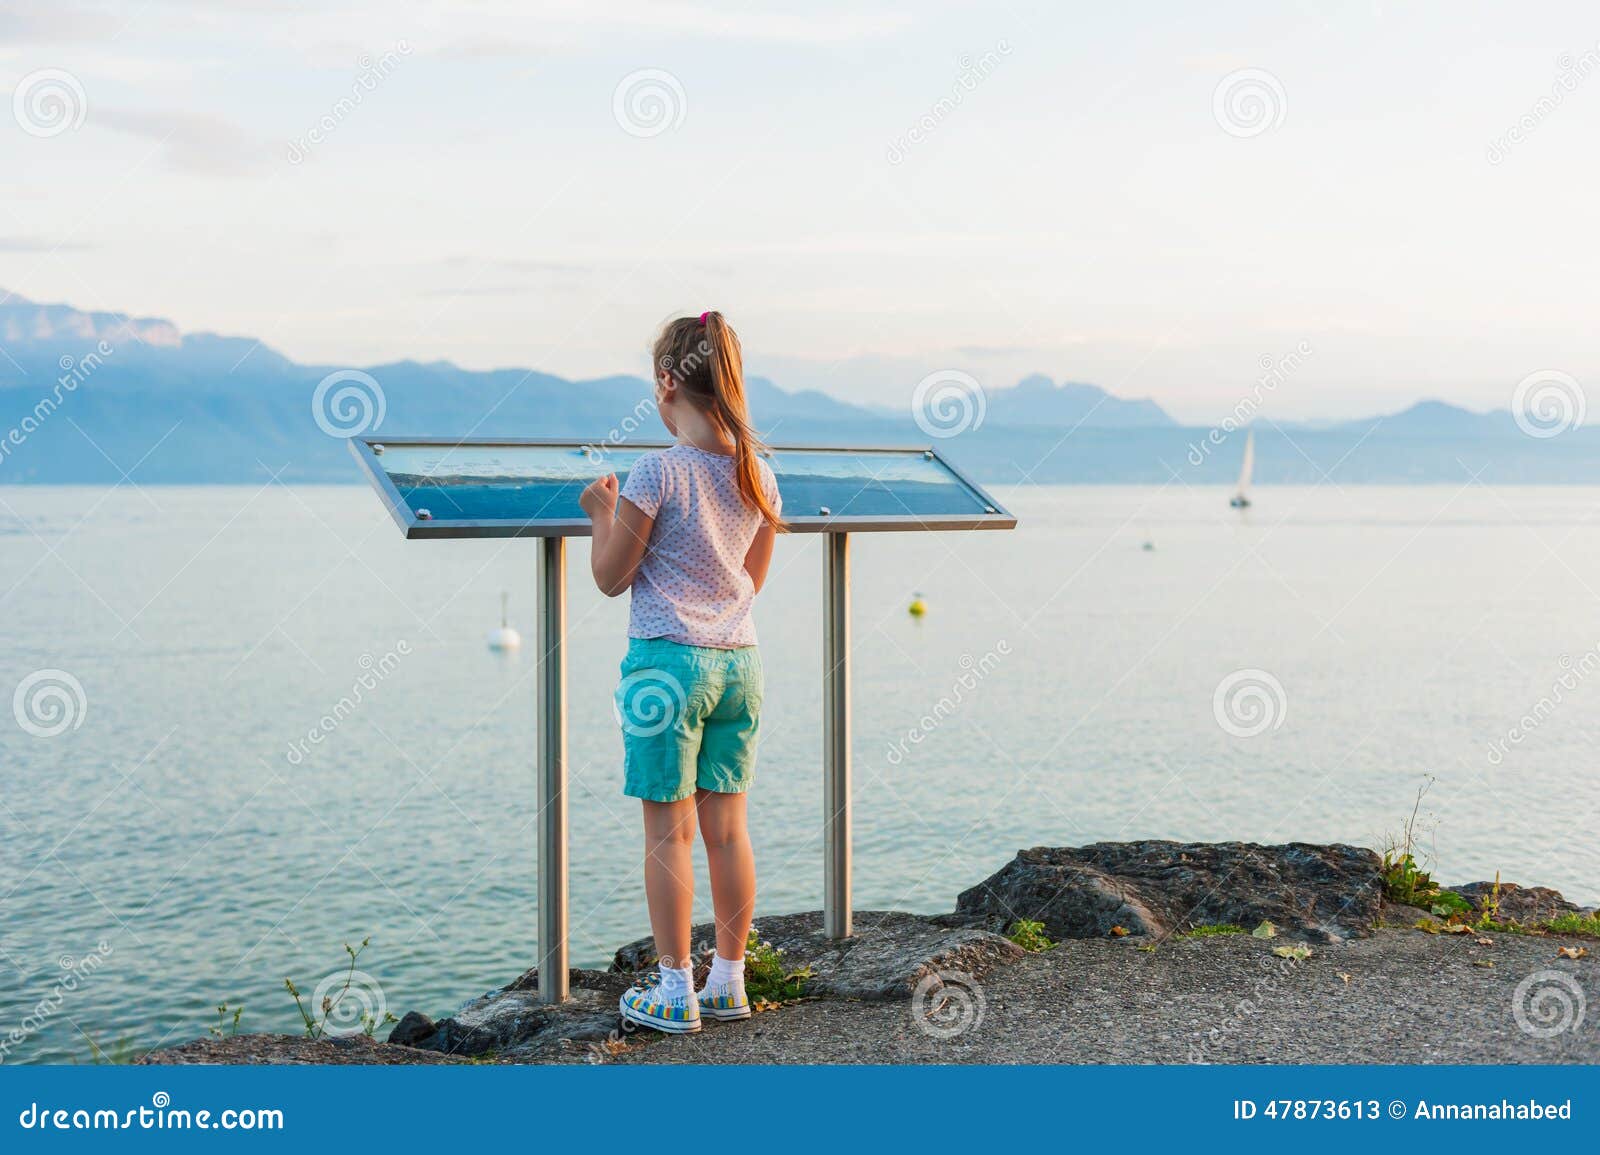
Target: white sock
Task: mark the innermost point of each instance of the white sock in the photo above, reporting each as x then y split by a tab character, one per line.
676	982
725	972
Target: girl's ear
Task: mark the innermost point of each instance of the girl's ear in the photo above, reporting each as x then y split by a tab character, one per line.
665	383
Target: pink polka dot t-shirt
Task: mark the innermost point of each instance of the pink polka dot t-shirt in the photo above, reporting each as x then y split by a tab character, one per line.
691	587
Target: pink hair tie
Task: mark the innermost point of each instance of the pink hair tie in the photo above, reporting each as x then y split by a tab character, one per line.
703	317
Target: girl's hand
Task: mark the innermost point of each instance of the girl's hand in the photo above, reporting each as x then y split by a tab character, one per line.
600	497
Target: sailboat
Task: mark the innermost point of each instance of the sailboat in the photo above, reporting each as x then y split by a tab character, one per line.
504	638
1240	501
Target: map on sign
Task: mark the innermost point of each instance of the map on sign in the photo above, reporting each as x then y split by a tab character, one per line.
498	488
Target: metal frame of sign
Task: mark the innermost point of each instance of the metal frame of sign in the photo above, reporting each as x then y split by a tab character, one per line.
551	721
800	522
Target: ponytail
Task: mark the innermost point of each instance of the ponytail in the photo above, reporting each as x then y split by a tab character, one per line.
704	357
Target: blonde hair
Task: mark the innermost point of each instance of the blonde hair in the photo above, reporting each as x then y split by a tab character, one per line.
703	358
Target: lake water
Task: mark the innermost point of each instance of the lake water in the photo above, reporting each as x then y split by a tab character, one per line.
181	843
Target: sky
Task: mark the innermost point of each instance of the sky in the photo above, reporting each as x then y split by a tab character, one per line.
1155	198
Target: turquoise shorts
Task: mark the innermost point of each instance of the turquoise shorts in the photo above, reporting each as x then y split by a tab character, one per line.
690	718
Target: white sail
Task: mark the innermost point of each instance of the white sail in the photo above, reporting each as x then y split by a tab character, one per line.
1249	461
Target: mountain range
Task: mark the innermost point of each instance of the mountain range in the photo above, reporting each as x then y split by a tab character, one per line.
89	397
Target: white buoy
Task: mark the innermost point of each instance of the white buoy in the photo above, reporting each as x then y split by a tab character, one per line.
504	638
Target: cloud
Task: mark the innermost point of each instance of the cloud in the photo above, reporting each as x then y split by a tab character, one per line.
41	245
994	350
28	22
483	291
189	141
513	264
491	48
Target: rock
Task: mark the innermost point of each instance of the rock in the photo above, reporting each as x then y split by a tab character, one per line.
1521	904
1153	888
605	982
1149	889
888	954
295	1050
414	1029
512	1020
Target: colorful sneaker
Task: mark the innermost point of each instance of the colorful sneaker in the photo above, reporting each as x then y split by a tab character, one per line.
725	1003
644	1004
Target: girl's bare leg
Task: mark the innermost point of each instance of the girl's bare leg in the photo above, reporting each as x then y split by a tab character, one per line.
669	877
733	868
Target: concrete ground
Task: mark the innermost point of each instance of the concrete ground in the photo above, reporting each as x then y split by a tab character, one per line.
1400	996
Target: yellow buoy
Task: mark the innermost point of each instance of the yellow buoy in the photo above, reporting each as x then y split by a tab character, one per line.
918	607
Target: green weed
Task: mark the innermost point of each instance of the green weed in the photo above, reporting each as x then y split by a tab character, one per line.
1404	878
227	1024
1216	930
767	978
316	1019
1030	936
121	1053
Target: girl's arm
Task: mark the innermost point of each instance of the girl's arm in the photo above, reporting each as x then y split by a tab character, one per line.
621	532
758	558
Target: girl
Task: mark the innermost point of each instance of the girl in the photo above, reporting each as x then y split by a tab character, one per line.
691	535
